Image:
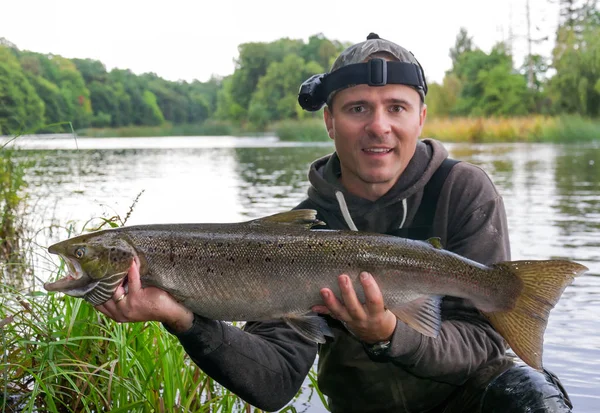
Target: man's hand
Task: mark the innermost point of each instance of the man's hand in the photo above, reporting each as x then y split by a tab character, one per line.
146	304
370	322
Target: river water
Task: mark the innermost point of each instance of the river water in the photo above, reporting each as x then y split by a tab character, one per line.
551	193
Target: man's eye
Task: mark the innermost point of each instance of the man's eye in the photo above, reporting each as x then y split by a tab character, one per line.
357	109
397	108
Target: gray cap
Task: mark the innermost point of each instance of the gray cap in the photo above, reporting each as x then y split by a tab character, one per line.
359	52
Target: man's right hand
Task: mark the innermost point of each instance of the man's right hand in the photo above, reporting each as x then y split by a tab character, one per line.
146	304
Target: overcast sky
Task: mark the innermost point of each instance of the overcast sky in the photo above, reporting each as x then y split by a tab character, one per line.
186	40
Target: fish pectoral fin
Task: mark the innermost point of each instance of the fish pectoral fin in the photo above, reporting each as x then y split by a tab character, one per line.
423	314
311	327
303	217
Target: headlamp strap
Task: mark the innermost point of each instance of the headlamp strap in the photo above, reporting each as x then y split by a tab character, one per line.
375	72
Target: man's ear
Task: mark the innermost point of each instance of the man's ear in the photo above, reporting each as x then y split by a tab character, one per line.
328	118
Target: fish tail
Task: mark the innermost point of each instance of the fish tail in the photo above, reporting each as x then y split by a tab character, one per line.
543	283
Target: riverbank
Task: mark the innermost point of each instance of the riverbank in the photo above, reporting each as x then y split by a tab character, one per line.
476	130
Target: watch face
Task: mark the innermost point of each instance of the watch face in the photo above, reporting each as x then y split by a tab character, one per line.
378	348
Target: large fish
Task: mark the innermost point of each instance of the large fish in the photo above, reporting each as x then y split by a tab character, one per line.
274	267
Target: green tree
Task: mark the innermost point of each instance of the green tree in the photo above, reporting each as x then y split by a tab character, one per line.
490	85
54	102
321	50
91	70
72	87
154	115
441	99
576	59
252	64
227	107
276	96
21	109
129	89
463	44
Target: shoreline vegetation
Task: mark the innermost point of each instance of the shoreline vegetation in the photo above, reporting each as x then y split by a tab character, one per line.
61	355
484	96
563	129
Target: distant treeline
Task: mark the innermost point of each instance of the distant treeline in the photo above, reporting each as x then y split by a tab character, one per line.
37	90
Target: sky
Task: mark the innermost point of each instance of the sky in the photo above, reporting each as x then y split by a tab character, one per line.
187	40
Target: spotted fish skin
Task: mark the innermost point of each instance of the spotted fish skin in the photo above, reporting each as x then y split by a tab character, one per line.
275	267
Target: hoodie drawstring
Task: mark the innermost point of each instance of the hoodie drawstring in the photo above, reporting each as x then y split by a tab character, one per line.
346	212
404	212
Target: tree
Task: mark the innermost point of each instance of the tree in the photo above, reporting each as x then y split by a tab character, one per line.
91	70
321	50
227	107
54	103
490	85
576	59
252	64
441	99
463	44
276	95
21	109
73	89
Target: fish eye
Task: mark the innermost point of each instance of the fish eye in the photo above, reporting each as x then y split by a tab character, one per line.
79	252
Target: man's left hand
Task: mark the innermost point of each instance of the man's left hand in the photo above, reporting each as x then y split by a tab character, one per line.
369	322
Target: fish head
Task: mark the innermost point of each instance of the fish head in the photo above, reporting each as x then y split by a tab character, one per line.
97	264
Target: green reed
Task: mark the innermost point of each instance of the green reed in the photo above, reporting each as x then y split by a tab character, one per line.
208	128
61	355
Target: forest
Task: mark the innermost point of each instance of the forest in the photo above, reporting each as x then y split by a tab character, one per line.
50	93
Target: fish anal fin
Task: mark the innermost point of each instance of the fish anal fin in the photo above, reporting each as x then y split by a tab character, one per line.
422	314
435	242
311	327
302	217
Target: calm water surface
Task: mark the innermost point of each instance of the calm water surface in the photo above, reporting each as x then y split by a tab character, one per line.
551	192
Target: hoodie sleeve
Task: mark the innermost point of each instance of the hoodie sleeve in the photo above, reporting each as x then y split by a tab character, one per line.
265	363
472	222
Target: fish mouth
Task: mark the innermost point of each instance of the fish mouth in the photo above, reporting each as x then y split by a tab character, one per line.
76	283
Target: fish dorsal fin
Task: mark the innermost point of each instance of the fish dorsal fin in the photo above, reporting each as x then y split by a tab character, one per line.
435	242
423	314
303	217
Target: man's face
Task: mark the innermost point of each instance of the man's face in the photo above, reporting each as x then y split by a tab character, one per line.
375	130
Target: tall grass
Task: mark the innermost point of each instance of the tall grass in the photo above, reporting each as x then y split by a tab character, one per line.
61	355
525	129
12	183
307	130
572	129
208	128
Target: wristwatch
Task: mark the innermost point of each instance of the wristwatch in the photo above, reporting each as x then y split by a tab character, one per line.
377	349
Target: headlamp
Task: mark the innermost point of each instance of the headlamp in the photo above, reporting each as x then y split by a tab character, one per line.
315	90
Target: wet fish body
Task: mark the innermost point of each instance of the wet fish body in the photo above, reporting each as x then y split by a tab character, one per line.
274	267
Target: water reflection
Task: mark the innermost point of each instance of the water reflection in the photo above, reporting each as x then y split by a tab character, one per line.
551	193
275	179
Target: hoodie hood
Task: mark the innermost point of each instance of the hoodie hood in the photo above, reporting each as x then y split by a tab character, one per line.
393	210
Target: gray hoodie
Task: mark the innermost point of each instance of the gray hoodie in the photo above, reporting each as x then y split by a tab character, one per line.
418	373
266	362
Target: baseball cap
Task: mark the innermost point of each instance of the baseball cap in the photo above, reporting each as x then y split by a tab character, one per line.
360	52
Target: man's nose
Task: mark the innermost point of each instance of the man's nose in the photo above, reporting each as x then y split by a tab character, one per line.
379	123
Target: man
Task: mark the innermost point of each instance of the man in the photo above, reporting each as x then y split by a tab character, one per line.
381	178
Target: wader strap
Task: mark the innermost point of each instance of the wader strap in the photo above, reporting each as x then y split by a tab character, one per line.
422	224
421	227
